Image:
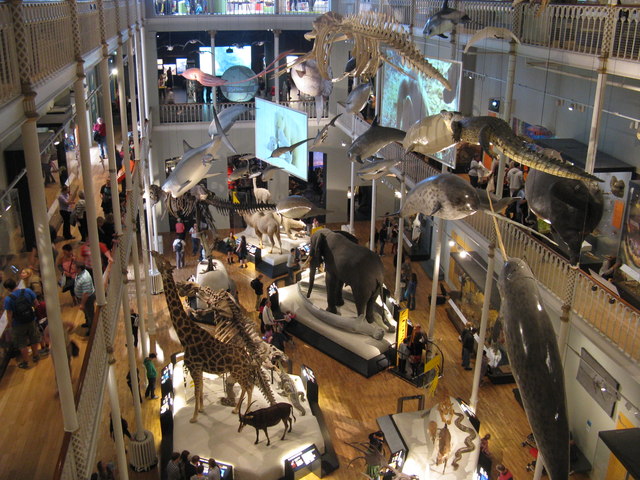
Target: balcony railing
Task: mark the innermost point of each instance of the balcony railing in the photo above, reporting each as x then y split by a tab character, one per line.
203	112
243	7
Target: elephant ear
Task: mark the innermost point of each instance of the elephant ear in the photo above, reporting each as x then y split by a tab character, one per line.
317	244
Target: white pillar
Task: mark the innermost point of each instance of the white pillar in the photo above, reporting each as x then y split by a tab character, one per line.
352	201
486	304
84	144
372	232
397	289
537	473
276	52
438	225
48	273
598	103
131	355
212	36
112	387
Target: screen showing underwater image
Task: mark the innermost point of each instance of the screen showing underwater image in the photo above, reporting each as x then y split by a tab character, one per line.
408	96
278	127
229	56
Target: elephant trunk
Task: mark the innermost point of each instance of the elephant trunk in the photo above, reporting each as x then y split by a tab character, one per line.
312	277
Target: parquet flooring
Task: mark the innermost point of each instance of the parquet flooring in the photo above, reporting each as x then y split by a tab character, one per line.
32	427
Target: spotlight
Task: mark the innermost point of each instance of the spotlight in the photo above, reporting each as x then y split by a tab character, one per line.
398	194
344	144
571	106
494	105
463	254
114	71
452	243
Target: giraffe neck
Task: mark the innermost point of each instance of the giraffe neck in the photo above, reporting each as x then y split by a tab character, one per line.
181	322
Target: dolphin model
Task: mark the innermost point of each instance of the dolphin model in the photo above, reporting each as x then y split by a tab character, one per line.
324	132
444	21
357	98
193	167
238	173
491	32
373	140
267	173
445	196
282	150
376	169
428	135
535	361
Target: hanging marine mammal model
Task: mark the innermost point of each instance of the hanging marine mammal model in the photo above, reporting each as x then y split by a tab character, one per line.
491	32
444	21
572	207
196	162
487	130
535	360
376	169
357	98
374	139
450	197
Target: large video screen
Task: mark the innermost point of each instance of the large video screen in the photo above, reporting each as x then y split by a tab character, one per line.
278	126
229	56
406	100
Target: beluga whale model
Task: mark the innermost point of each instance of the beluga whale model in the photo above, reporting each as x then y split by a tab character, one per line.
535	360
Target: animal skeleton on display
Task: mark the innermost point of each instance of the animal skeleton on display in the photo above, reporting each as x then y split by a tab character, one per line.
374	458
369	32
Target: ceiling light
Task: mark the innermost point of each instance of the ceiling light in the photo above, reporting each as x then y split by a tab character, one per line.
452	243
571	107
398	194
169	48
114	71
463	254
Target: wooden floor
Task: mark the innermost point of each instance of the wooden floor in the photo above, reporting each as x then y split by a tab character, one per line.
32	427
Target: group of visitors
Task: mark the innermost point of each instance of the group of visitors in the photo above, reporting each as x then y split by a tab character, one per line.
179	245
182	466
388	233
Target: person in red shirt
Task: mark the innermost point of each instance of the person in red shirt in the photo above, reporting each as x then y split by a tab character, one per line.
100	136
180	229
504	473
85	254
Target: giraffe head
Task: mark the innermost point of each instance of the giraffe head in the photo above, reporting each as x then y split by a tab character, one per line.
163	265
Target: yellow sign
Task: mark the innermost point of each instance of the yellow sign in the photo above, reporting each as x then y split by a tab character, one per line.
401	332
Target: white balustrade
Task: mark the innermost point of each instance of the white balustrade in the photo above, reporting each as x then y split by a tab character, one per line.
9	79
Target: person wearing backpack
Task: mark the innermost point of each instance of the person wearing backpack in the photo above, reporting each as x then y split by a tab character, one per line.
258	288
179	246
19	305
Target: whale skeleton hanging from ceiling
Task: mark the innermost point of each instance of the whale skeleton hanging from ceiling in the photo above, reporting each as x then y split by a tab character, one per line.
369	32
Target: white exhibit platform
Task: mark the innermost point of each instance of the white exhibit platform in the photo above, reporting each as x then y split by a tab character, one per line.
217	279
276	256
414	427
216	432
361	353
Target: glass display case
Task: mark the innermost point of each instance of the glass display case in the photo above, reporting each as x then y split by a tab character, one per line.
617	455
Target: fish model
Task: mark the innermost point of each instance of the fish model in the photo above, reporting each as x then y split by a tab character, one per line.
294	206
491	32
324	132
445	196
376	169
485	130
267	173
358	98
282	150
572	207
535	361
373	140
193	167
428	135
444	21
227	118
239	173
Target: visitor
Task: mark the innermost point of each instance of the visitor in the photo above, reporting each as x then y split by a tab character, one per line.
130	383
231	245
484	444
85	292
19	306
173	467
258	288
105	198
214	470
179	246
405	272
610	266
66	263
468	344
403	356
242	252
100	137
267	315
45	161
394	239
416	346
171	97
105	258
410	292
192	467
199	473
195	240
292	266
79	212
135	321
515	179
108	230
65	205
180	228
125	428
184	461
42	322
152	373
504	473
382	238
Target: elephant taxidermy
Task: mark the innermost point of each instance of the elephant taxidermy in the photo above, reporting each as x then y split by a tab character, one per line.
347	263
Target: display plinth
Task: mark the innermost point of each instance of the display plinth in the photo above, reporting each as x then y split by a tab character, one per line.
361	353
422	450
273	264
216	432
